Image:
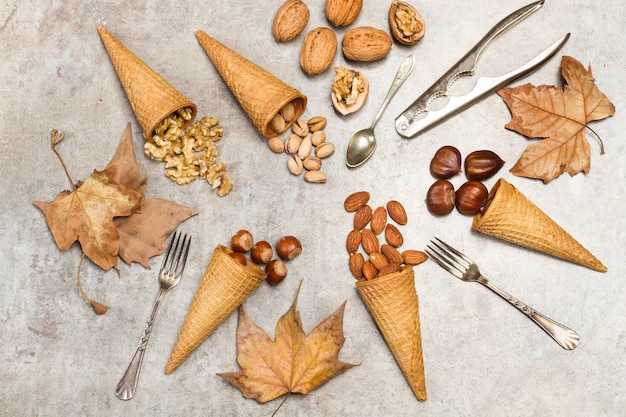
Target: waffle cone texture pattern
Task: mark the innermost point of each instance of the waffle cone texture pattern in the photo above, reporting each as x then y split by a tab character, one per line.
150	95
224	286
510	216
393	304
261	94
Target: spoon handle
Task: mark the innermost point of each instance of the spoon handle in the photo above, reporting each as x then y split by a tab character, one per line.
403	73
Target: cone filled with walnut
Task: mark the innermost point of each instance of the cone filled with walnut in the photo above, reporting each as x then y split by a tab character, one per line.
272	105
152	98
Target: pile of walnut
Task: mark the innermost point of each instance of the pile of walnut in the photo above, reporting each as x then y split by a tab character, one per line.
359	44
190	154
362	241
306	147
261	253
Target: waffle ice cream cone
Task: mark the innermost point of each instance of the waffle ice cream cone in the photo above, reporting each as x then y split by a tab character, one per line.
510	216
224	286
151	96
261	94
393	304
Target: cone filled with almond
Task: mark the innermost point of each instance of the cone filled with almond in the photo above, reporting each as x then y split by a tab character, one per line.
510	216
225	285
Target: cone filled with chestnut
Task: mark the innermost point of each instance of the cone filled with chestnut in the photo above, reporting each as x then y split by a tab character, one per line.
232	275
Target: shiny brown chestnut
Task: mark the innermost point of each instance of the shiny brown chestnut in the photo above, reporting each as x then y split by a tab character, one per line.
440	197
276	271
471	197
446	163
482	165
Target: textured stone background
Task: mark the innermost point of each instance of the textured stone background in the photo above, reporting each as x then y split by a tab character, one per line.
482	357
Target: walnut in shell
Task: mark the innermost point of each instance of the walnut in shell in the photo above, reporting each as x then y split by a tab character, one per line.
405	23
349	90
365	44
290	20
343	12
318	50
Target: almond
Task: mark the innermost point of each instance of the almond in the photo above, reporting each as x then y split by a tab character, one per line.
369	241
391	253
353	241
379	220
369	272
365	44
318	50
362	217
356	200
413	257
356	263
378	260
390	268
397	212
393	236
290	20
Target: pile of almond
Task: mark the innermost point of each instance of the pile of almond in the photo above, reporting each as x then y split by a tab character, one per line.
369	258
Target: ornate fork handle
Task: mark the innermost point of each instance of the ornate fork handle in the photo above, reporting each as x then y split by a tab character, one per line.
567	338
128	384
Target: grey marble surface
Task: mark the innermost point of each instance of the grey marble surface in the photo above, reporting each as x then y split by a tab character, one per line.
482	358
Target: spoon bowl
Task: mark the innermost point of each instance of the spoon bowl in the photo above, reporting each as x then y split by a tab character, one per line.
363	143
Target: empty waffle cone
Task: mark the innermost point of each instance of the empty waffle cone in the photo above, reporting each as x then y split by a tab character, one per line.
392	302
151	96
261	94
224	286
510	216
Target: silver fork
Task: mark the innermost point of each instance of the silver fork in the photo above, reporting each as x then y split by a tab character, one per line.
465	269
171	270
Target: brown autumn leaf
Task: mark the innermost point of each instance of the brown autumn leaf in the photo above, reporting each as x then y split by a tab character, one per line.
559	118
294	362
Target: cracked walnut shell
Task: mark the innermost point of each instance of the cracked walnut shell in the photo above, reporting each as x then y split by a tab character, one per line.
349	90
405	23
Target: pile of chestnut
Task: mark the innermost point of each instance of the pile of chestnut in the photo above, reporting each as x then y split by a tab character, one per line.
262	253
470	197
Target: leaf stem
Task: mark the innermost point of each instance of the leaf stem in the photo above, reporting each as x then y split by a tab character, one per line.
97	307
281	404
56	138
598	138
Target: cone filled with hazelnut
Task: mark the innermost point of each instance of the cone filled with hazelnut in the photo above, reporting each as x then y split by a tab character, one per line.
152	98
272	105
510	216
393	304
225	285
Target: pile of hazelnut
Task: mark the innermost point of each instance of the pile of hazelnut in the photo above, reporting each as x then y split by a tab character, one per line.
470	198
369	259
262	253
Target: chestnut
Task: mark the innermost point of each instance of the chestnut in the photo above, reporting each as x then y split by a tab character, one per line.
471	197
276	271
261	252
288	247
239	257
446	163
482	165
440	197
242	241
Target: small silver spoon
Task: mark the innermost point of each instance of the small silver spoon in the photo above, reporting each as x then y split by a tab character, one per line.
363	143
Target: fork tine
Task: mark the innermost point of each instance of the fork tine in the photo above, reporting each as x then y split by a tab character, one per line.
438	258
456	252
176	255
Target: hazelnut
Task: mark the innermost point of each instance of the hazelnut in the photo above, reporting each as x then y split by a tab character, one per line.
239	257
262	252
471	197
276	271
481	165
440	197
446	163
288	247
242	241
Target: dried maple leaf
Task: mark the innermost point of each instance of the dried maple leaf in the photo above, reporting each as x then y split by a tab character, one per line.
559	117
86	214
294	362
